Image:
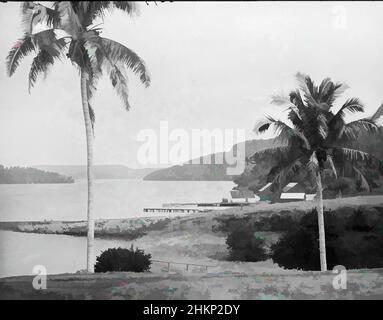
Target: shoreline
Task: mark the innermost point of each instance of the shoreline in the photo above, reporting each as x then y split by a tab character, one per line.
133	228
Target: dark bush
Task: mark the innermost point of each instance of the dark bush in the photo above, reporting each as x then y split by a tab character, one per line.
359	222
244	245
347	243
341	184
275	223
299	249
121	259
373	251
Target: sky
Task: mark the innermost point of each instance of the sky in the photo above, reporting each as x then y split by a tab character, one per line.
213	66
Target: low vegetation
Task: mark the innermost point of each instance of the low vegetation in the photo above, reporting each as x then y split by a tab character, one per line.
353	238
121	259
245	246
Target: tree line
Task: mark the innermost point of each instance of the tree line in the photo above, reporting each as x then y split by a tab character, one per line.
14	175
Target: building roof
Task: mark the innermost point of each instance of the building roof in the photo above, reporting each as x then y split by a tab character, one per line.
310	196
290	195
235	194
265	187
289	186
242	194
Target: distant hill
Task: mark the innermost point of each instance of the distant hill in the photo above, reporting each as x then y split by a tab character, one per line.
100	171
206	172
378	116
255	176
21	175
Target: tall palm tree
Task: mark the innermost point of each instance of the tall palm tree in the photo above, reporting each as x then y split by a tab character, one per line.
89	52
316	138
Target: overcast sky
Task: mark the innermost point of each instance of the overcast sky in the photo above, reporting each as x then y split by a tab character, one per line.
213	65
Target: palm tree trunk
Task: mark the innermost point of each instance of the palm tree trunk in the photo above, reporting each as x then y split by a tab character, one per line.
322	238
89	147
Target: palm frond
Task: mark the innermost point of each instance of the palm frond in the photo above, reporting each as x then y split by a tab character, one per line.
40	64
330	160
310	91
330	91
283	131
313	164
365	184
280	99
44	59
339	128
324	88
281	173
336	91
322	126
33	14
129	7
50	49
97	9
353	154
261	126
296	118
118	53
120	84
352	105
69	20
352	129
19	51
117	75
269	151
47	40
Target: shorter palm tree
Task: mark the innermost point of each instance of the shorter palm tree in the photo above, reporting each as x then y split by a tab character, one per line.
316	140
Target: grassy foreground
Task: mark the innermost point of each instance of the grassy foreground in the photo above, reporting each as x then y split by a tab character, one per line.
361	284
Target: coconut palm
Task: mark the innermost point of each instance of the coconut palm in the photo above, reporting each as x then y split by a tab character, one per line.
92	54
315	139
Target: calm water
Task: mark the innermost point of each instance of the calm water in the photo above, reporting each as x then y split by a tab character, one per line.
113	198
19	252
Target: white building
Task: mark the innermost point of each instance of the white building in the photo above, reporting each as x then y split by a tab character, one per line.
243	196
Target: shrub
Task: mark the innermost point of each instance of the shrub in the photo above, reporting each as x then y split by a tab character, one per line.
121	259
275	223
299	249
337	186
359	222
244	245
347	243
